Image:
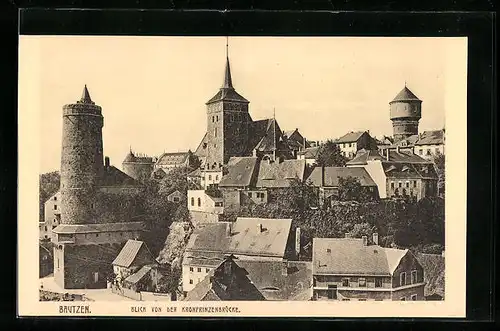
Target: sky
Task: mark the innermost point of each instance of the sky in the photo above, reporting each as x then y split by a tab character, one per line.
153	90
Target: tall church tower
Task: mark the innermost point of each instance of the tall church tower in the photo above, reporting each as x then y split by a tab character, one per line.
228	123
81	160
405	113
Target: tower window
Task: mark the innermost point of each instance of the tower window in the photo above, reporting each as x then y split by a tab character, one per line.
213	119
215	132
55	207
217	118
55	198
199	202
192	201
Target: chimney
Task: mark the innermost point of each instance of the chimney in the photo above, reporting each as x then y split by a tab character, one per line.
375	238
365	240
228	230
259	227
106	162
284	268
297	241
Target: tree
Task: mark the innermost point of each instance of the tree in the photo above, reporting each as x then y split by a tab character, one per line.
439	162
48	185
350	188
169	283
194	160
329	155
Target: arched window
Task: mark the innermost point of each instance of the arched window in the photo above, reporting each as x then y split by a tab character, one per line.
199	202
192	201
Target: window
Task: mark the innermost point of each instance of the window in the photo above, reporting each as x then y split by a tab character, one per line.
403	299
413	297
191	269
362	282
362	299
400	184
212	119
420	152
207	270
249	194
215	132
199	202
192	201
378	282
97	235
345	282
428	151
392	185
190	281
55	198
231	118
346	299
199	270
414	183
216	177
436	150
45	228
55	207
402	279
96	277
209	177
176	199
217	118
414	277
407	184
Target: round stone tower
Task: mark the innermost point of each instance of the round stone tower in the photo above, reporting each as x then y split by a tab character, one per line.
405	112
138	167
81	160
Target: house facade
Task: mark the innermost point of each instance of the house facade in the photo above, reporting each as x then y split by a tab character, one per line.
350	269
309	155
326	180
245	280
350	143
430	144
52	216
169	161
399	173
204	207
247	238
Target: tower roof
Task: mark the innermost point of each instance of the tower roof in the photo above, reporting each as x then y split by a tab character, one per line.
227	92
86	96
130	157
228	81
405	95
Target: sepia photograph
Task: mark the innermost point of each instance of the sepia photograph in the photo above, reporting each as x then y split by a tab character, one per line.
172	171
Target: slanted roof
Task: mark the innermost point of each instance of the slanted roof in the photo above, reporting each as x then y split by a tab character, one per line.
280	174
173	159
86	96
350	137
310	152
98	227
268	278
364	156
405	95
240	172
331	175
245	238
114	177
348	256
409	170
136	277
130	252
431	138
219	286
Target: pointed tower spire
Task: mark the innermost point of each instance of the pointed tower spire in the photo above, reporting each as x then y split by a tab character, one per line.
86	95
228	82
